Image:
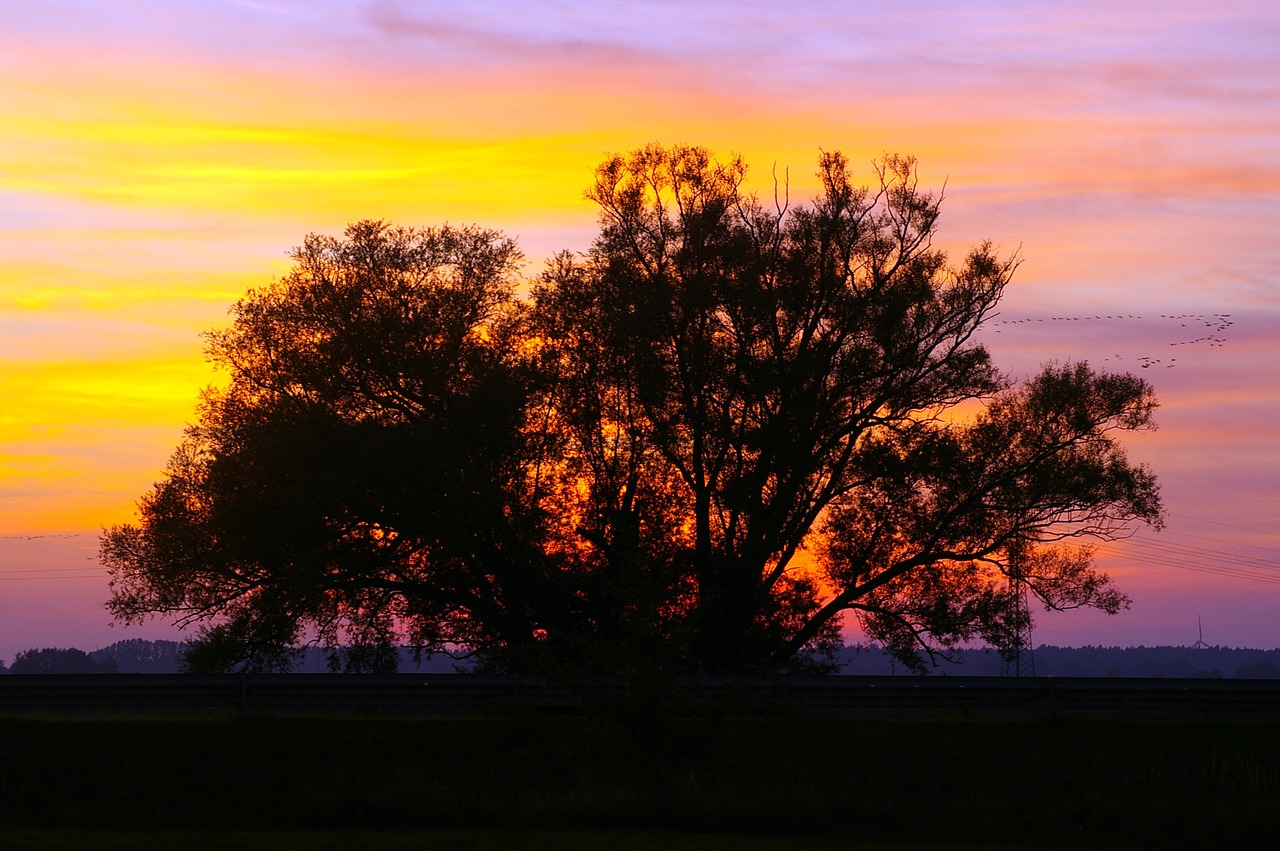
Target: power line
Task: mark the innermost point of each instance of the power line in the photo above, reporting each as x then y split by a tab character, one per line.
80	568
50	578
1191	551
1273	550
1227	525
1205	568
1199	560
1183	554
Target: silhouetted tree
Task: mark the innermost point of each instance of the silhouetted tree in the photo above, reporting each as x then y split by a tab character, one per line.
694	448
360	474
140	656
56	660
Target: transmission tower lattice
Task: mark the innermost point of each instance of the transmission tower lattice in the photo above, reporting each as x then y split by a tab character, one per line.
1016	660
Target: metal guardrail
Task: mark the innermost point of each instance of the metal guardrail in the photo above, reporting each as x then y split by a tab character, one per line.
454	693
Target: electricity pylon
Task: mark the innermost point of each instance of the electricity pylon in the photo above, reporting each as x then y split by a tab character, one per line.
1016	659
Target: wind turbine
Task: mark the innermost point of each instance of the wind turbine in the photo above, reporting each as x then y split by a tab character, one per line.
1199	645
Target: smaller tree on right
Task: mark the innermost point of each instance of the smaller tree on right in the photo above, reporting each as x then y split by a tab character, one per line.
923	552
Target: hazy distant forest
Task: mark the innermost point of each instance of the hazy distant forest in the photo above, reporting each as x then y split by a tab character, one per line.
694	448
138	656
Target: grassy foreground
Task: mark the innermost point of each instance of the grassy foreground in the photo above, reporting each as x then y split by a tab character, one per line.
522	782
445	840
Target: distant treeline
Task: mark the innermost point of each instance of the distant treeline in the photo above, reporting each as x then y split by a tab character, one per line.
1050	661
138	656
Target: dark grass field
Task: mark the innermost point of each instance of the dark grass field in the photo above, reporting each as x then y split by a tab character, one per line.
561	781
441	840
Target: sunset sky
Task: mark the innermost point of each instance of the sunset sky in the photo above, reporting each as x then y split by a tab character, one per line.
158	158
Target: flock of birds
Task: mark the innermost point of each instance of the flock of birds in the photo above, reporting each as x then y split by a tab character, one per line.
1216	323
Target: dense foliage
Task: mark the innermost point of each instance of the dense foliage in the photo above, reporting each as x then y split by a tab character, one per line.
58	660
691	448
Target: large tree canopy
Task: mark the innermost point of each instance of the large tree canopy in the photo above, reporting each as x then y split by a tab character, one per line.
694	446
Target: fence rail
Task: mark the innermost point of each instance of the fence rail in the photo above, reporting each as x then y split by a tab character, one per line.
451	693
